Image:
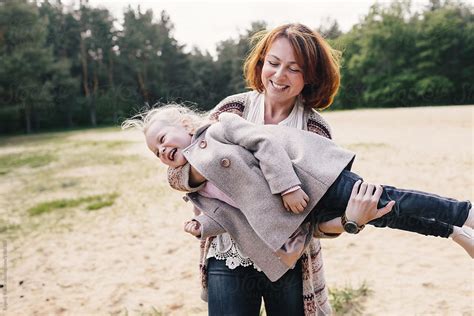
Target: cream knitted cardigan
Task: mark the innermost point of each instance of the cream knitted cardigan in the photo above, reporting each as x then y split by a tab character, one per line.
315	293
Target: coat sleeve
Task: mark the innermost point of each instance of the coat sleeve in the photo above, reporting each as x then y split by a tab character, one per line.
274	162
209	227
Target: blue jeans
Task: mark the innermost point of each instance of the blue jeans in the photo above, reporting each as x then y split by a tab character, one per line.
239	292
414	211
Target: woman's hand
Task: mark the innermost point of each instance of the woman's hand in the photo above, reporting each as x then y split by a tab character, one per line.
295	201
192	227
362	205
361	208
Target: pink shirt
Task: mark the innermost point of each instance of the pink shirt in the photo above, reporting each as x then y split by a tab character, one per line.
211	191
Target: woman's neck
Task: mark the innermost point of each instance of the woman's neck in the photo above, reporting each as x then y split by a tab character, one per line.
275	112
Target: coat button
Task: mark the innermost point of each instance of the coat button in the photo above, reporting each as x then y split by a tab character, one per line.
225	163
203	144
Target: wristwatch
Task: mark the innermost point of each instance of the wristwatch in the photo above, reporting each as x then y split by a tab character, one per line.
351	227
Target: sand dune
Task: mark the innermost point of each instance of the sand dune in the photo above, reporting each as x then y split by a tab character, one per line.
134	258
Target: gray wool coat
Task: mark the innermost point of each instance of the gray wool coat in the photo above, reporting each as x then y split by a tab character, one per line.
253	165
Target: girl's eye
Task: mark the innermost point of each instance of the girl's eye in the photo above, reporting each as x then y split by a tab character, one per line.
162	139
272	63
294	70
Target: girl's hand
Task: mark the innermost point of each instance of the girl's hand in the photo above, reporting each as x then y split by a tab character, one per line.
362	206
295	201
192	227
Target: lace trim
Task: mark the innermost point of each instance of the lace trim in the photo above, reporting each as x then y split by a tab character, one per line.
232	255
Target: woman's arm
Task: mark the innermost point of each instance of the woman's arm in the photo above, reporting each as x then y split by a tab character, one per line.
362	208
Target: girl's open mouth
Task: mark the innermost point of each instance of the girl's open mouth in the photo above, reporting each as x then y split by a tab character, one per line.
172	154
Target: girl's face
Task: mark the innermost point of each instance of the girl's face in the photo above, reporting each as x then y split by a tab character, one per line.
281	76
167	143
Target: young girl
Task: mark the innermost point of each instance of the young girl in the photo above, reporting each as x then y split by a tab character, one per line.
248	175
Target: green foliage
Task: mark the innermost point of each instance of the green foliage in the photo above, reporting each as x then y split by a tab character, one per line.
63	67
349	301
94	202
398	58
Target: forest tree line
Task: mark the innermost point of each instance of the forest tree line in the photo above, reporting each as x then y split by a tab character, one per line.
63	67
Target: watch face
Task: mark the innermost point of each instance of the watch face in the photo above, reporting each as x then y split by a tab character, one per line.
351	228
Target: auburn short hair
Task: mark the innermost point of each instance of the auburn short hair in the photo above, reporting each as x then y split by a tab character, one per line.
319	62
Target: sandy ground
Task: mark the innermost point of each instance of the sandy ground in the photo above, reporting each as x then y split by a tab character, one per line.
132	258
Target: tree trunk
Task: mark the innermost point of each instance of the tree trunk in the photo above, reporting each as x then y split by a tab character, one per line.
28	119
69	117
85	74
95	90
141	83
110	76
36	120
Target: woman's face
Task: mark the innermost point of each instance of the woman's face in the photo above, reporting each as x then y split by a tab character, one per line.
282	77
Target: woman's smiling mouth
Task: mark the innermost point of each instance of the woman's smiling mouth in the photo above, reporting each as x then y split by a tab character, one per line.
277	86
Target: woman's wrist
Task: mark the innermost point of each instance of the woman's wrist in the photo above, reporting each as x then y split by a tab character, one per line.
332	226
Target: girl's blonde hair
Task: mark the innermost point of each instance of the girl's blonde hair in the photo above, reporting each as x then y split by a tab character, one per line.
170	114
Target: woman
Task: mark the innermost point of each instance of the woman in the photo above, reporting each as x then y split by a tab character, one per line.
292	72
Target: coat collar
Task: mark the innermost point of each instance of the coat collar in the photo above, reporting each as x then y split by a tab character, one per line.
199	131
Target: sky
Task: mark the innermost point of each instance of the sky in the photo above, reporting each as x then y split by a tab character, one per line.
205	23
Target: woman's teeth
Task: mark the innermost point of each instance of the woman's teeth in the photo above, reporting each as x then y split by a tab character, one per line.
279	86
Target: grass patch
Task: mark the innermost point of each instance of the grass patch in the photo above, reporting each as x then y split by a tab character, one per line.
34	139
94	202
349	301
150	312
360	146
12	161
107	201
6	227
105	144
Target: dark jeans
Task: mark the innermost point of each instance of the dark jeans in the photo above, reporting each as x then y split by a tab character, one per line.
239	292
414	211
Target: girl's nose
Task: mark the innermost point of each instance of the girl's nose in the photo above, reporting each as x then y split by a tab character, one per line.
161	150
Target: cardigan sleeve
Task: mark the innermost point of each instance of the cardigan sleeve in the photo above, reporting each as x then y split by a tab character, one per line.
232	104
317	124
275	164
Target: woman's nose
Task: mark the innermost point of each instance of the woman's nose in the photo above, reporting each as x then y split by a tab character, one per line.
279	72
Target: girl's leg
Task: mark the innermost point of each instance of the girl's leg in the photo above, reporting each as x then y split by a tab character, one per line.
285	296
410	203
470	219
463	239
420	225
414	211
233	292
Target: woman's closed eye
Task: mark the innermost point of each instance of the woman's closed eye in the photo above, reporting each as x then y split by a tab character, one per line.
272	63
